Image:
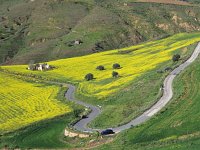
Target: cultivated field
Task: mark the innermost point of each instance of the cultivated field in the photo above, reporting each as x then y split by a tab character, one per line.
137	93
121	98
23	103
135	61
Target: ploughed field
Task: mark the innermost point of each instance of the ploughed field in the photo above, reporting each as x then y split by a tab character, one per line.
23	103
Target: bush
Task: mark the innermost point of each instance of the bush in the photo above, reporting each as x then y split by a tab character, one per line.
89	76
116	66
77	112
115	74
31	67
176	57
100	67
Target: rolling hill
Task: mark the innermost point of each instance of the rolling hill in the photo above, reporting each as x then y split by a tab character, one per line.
140	64
176	127
43	30
74	37
124	101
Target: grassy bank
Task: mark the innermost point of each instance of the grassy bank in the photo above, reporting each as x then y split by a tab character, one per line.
177	126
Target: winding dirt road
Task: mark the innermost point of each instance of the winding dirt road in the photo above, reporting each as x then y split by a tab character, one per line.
81	125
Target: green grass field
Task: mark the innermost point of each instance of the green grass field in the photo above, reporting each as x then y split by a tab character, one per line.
176	127
48	134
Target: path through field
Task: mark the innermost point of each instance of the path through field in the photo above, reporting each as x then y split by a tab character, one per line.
81	125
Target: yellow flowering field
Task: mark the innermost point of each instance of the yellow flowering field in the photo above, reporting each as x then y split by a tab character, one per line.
134	60
23	103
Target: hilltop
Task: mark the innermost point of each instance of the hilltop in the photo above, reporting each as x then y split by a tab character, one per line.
43	30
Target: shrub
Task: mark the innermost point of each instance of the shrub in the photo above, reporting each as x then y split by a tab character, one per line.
168	69
37	65
116	66
31	67
89	76
100	67
115	74
77	112
176	57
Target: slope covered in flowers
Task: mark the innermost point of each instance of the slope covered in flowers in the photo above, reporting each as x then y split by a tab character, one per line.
135	61
23	103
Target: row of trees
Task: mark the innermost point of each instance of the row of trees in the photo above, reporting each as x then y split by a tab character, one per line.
115	74
115	66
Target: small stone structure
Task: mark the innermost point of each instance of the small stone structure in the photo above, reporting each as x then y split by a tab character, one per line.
40	67
73	134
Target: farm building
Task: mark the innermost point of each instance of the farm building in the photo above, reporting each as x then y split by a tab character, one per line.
39	67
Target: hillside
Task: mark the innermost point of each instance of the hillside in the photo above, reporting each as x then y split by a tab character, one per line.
123	102
43	30
176	127
139	66
100	74
23	103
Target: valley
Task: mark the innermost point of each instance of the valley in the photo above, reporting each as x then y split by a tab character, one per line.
99	74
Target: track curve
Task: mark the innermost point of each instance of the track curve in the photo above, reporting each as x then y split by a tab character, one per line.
81	125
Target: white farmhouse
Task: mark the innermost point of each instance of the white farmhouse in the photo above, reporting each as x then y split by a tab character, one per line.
40	67
47	66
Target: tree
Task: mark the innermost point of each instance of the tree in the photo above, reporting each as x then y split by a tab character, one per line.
100	67
115	74
176	57
37	65
31	67
116	66
77	112
89	76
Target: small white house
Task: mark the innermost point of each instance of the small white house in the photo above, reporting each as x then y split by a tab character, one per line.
78	42
40	67
47	66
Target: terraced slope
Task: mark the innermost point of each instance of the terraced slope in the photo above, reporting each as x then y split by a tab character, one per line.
23	103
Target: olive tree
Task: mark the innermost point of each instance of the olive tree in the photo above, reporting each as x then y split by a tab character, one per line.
176	57
89	76
100	67
115	74
116	66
